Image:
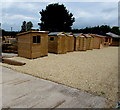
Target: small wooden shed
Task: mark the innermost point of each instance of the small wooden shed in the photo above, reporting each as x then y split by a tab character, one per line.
57	43
33	44
70	42
89	42
80	42
98	41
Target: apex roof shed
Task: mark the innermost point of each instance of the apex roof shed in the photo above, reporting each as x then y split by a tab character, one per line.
80	42
33	44
89	42
115	39
98	41
70	42
57	42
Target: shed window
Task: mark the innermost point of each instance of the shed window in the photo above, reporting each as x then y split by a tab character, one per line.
36	39
52	38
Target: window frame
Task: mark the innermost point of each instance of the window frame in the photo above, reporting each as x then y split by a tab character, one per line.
36	39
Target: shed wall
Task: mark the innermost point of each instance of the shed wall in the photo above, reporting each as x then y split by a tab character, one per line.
24	46
76	43
115	42
70	43
102	42
96	43
59	45
62	44
53	45
82	43
40	49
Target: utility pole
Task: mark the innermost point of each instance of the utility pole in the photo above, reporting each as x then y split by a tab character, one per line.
11	29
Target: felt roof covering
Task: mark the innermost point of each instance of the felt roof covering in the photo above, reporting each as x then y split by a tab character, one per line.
87	35
56	33
69	34
79	34
112	35
32	32
96	35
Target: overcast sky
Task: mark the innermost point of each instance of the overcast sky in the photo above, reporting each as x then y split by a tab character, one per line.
85	13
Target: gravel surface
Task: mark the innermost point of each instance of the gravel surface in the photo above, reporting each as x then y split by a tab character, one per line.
95	71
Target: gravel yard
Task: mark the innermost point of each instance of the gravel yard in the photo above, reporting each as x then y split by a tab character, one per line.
95	71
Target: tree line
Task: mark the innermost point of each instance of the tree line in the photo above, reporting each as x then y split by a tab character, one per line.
102	30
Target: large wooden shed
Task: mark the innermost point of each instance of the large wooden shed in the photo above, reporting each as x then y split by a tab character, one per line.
80	42
33	44
70	42
115	39
57	42
89	42
98	41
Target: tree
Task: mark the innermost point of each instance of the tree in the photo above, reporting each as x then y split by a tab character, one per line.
26	26
104	29
29	25
56	18
115	29
23	27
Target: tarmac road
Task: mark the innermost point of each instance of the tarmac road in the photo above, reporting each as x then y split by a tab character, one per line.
25	91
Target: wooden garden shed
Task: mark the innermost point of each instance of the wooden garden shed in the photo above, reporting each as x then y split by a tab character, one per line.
57	43
33	44
98	41
115	39
70	42
89	42
79	42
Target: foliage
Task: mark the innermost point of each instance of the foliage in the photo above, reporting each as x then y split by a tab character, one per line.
56	18
29	25
115	30
26	26
23	27
102	30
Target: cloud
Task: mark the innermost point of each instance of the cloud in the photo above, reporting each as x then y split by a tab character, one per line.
85	13
83	22
21	17
109	10
61	1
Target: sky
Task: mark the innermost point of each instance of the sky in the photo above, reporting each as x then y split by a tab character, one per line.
87	14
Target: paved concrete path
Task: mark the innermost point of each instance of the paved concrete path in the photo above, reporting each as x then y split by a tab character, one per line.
25	91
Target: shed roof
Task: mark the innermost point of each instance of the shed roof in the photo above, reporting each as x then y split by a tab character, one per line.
77	34
96	35
56	33
69	34
112	35
87	35
32	32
